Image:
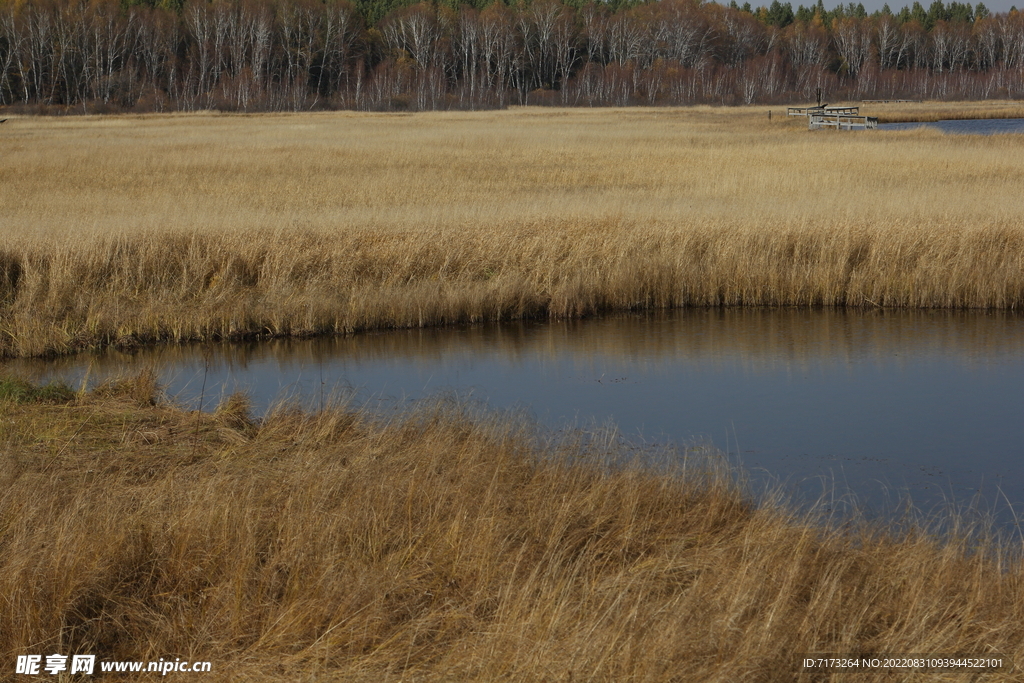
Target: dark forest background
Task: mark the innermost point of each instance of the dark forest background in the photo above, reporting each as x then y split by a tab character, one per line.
265	55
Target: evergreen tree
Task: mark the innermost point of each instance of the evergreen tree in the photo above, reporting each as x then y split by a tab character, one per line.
936	12
780	15
960	12
917	13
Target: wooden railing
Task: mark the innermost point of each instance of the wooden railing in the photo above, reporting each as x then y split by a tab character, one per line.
841	121
824	109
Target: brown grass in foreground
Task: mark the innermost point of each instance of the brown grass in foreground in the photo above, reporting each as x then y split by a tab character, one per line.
132	229
443	546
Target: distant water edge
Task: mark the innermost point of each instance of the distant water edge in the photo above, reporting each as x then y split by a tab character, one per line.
964	127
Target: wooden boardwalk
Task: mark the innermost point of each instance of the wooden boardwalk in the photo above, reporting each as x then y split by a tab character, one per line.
841	121
840	118
823	109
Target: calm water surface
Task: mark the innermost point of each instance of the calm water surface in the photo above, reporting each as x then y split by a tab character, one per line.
877	403
965	127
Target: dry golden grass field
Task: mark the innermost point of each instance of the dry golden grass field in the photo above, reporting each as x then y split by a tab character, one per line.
442	545
131	229
447	546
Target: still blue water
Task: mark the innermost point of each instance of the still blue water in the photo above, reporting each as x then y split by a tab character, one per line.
964	127
877	403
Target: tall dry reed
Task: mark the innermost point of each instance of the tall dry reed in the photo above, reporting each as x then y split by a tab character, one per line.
446	545
129	230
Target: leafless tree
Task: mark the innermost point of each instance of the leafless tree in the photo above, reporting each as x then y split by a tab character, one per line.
852	37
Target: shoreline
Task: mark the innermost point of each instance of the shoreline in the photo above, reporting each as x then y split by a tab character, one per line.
195	288
251	544
124	231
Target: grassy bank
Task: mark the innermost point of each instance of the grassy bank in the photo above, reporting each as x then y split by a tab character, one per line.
132	229
440	545
908	112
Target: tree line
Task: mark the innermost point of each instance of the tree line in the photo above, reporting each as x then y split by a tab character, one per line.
266	55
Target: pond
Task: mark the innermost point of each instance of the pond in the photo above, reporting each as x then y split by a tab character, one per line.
875	404
964	127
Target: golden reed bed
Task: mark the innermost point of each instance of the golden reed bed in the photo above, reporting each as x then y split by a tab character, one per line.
447	546
132	229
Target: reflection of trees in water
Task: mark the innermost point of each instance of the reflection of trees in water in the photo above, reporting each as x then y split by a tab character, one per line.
755	338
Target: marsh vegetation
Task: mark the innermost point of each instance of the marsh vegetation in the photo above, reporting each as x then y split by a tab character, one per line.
442	544
136	229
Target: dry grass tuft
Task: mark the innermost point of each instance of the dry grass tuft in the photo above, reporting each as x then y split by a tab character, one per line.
445	546
236	412
141	389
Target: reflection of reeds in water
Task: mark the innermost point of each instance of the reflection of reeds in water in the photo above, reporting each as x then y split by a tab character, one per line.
756	339
123	231
442	546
